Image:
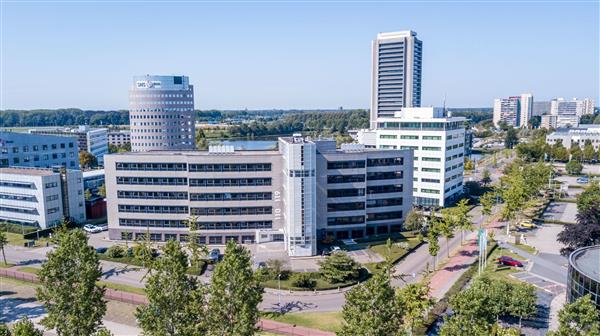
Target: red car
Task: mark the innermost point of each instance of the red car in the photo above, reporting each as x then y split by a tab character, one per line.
508	261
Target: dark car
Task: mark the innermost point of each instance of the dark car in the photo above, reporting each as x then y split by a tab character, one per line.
214	255
508	261
101	250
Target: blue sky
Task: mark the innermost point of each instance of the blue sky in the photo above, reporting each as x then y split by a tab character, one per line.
293	55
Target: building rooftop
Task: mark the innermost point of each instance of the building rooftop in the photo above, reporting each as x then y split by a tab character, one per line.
587	261
16	136
197	153
93	173
27	171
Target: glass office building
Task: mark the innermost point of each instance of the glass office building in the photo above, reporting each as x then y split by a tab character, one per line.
584	274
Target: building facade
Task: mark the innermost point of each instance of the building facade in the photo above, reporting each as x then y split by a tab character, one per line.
92	140
161	113
514	111
396	73
549	121
41	197
578	107
246	196
570	136
42	151
361	192
438	144
119	138
584	274
540	108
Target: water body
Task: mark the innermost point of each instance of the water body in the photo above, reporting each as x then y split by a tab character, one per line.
248	144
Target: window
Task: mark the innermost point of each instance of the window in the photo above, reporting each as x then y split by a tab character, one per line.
345	178
384	202
230	167
53	210
346	192
385	175
152	180
231	182
382	162
153	222
384	216
431	159
428	180
151	166
348	220
432	137
436	149
346	164
410	147
410	137
51	185
387	136
430	170
333	207
153	208
152	194
384	189
241	211
430	191
257	196
51	198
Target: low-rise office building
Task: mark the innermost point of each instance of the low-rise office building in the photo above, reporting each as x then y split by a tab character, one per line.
119	138
438	143
41	197
93	140
41	151
296	194
569	136
584	274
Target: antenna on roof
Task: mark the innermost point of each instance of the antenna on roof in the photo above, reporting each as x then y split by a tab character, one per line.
444	104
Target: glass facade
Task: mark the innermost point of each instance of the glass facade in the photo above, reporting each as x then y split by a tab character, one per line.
582	280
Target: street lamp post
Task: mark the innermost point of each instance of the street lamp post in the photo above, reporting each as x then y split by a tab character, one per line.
279	286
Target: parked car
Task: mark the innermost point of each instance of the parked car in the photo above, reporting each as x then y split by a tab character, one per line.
261	265
508	261
89	228
214	255
101	250
583	180
103	227
335	249
528	224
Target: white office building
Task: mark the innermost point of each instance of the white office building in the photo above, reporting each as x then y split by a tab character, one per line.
41	197
297	194
396	73
41	151
438	144
579	135
514	111
119	138
578	107
92	140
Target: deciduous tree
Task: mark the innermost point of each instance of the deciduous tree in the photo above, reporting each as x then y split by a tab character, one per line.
170	292
234	294
87	160
574	167
24	327
414	303
339	267
522	301
586	232
68	290
486	177
3	243
578	318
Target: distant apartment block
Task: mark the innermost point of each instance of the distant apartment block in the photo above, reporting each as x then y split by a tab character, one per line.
93	140
161	113
578	107
578	135
42	151
41	197
514	111
549	121
119	138
396	71
540	108
297	194
438	143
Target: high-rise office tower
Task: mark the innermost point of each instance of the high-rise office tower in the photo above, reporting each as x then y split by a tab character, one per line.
396	70
161	113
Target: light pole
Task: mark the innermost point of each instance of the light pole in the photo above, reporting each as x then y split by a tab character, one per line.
279	292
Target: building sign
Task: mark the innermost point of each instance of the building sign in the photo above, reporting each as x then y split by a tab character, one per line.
147	84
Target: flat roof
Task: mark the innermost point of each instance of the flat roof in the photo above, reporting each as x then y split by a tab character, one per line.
197	153
587	261
27	171
92	173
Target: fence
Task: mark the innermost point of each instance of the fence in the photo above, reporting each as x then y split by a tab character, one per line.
18	275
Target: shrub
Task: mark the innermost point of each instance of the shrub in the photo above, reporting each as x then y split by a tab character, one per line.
275	268
339	267
116	251
303	280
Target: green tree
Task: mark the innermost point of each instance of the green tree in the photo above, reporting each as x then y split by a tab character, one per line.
589	153
24	327
4	331
102	190
103	332
234	294
586	232
486	177
469	164
522	301
487	203
580	317
170	290
339	267
303	280
87	160
371	309
275	268
460	325
462	219
559	152
446	227
73	300
574	167
414	303
510	138
197	250
3	243
433	244
87	194
414	220
576	152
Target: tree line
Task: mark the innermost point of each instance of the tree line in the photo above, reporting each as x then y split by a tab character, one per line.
62	117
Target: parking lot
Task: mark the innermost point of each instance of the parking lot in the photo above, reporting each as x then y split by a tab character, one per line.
561	211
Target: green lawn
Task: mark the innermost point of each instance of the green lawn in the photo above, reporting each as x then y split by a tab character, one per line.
326	321
29	269
526	248
501	272
123	288
18	240
8	265
321	284
396	253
